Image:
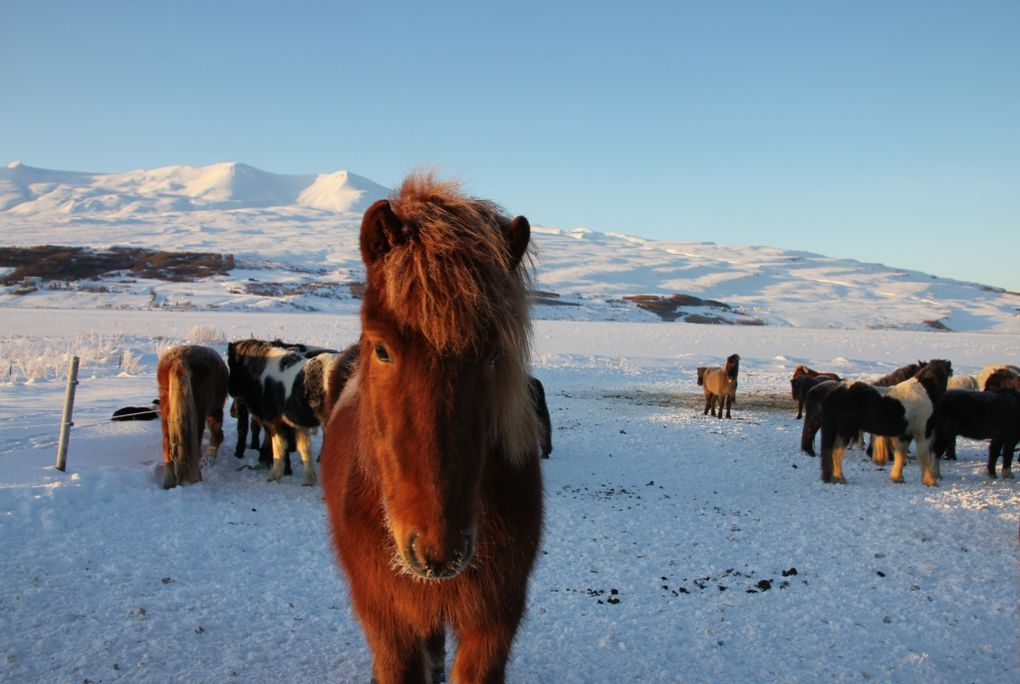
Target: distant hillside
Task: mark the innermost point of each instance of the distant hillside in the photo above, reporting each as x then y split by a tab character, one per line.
292	245
40	193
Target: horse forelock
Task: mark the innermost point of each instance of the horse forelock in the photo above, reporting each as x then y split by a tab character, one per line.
453	279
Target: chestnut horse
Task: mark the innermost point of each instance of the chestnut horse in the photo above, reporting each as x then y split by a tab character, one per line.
192	389
430	465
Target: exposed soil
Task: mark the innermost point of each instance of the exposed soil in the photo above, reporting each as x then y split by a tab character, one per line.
57	263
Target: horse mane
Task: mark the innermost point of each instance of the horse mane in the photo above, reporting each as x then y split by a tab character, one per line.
454	279
935	376
899	375
801	369
732	366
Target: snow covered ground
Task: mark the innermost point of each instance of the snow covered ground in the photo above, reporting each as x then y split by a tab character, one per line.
677	547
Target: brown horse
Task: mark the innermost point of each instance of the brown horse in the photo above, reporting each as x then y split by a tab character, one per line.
801	382
720	383
192	389
430	465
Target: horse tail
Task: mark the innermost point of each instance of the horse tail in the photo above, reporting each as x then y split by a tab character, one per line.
183	424
933	419
942	438
701	375
828	441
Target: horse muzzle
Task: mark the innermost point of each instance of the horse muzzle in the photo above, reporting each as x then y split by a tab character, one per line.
431	564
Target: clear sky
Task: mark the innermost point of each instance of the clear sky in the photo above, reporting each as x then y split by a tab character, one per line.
884	131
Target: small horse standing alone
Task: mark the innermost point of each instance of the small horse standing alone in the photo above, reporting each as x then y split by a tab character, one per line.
430	466
192	389
720	383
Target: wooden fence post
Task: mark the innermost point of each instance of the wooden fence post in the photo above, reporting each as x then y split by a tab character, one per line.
65	421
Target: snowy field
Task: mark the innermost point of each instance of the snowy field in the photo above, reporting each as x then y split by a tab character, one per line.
678	548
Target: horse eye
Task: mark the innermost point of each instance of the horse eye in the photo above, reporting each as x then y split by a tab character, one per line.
382	354
496	355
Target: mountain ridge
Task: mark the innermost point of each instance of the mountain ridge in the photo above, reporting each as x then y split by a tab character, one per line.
33	191
294	244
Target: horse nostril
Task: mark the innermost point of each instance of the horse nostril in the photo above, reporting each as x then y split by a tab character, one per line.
422	564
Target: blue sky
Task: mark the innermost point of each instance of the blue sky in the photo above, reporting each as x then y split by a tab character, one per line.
881	131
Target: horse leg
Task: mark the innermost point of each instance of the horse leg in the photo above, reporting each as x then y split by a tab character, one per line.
215	423
951	450
729	402
929	466
880	447
994	447
800	409
708	404
256	428
398	653
266	449
838	449
279	454
1007	460
240	411
899	459
435	656
304	447
482	653
859	440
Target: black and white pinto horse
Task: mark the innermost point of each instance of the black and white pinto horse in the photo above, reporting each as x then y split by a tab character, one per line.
901	412
278	386
993	415
880	448
813	407
262	440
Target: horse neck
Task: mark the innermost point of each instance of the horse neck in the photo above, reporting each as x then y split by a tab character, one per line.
934	379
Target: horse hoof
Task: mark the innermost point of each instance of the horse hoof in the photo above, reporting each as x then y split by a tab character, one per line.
839	480
897	480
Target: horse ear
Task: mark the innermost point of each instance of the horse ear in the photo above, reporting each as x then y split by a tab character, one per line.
518	233
381	230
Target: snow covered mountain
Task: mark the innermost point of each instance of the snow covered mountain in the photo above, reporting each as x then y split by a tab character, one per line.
40	193
293	242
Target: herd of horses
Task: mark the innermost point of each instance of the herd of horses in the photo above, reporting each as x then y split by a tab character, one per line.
433	428
922	402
